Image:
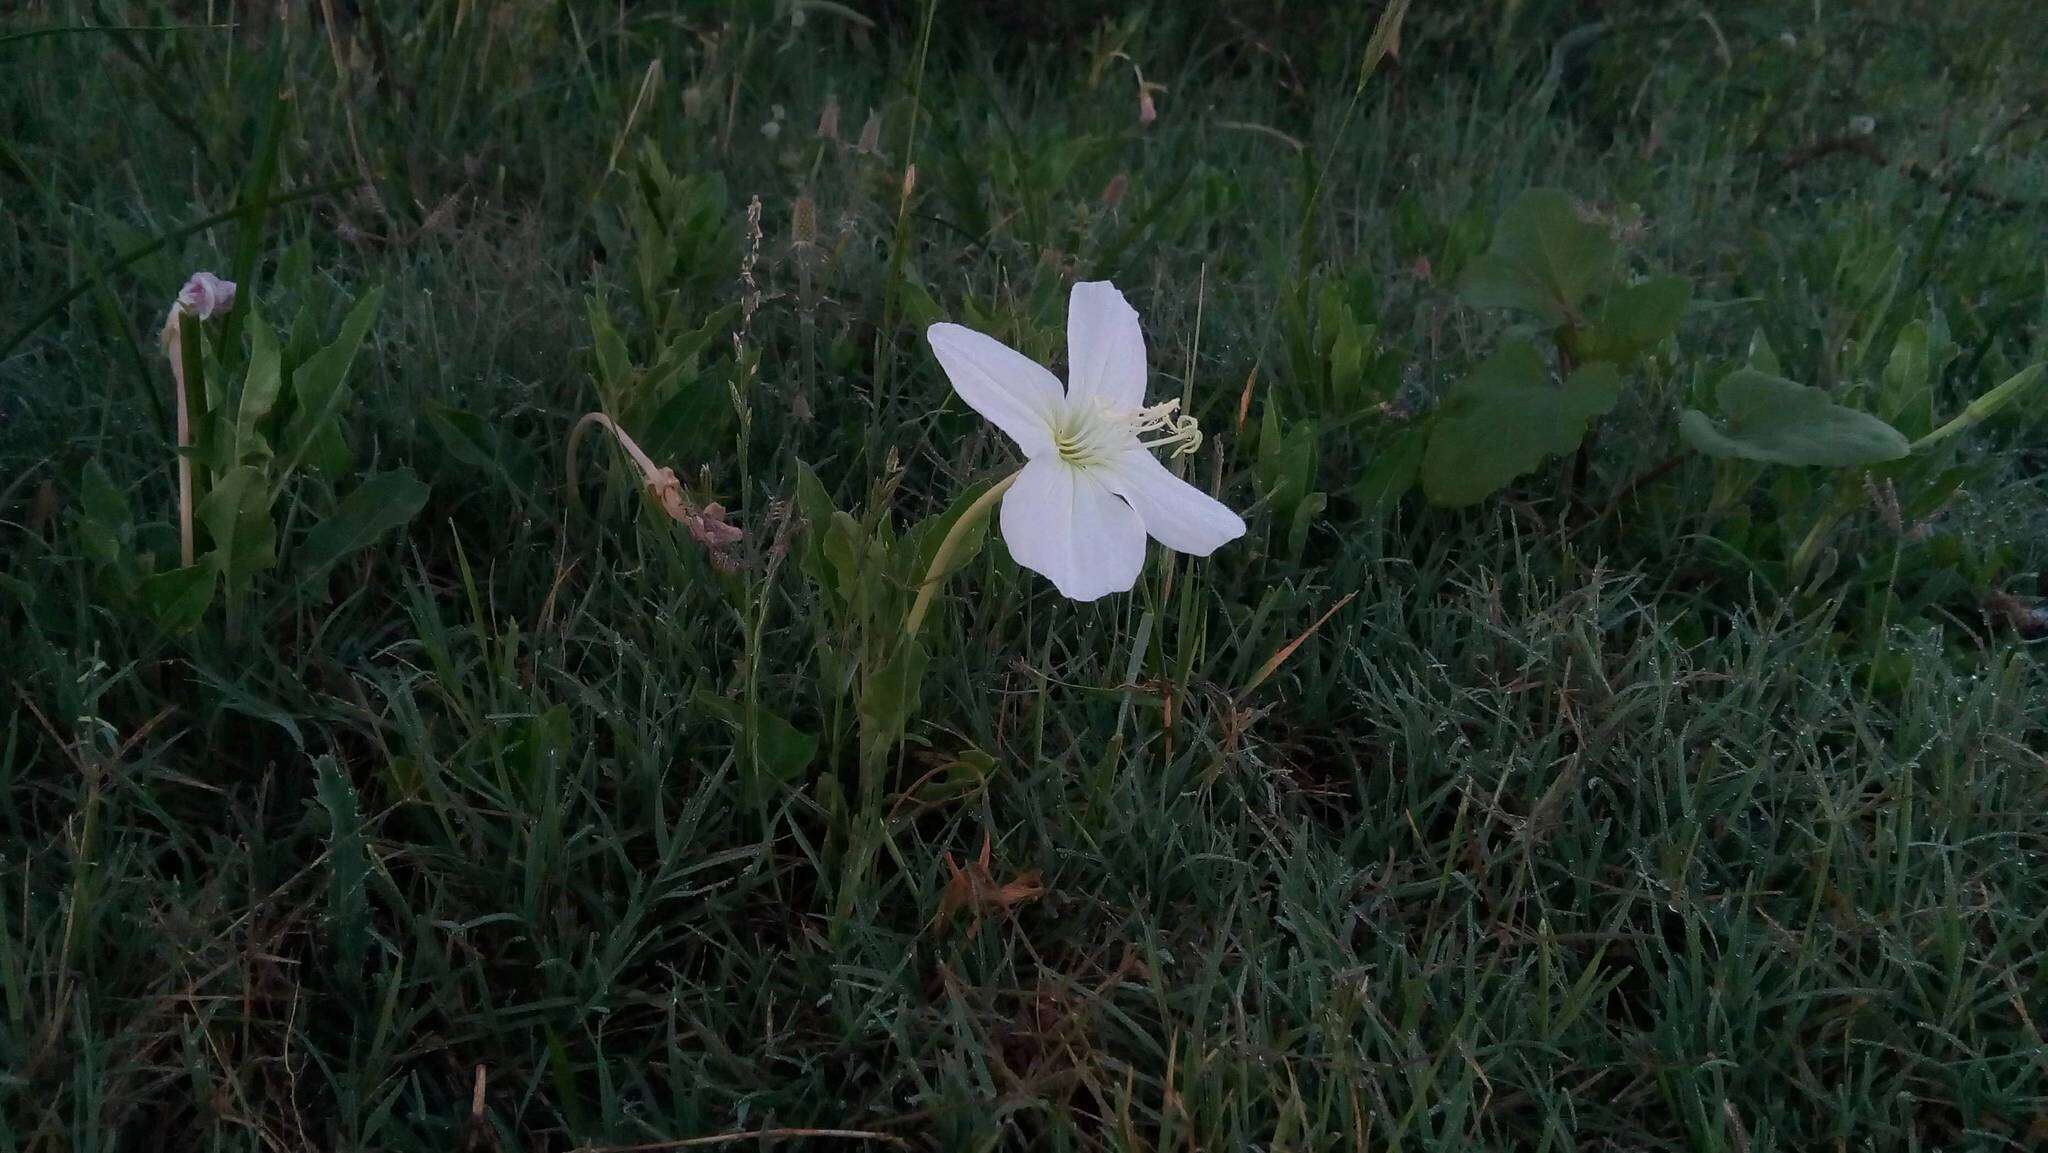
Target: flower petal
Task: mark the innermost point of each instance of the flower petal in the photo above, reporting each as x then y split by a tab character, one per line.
1105	347
206	295
1015	393
1176	513
1061	523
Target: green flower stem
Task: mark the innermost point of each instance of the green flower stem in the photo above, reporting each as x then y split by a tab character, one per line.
943	559
1984	407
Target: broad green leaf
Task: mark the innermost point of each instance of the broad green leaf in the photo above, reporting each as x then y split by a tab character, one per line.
1985	407
1941	346
302	341
1762	356
1905	393
237	518
691	344
888	697
320	390
922	542
687	426
348	864
1632	320
836	668
1333	317
259	393
470	440
814	504
101	499
1906	374
177	599
295	267
785	751
845	547
467	437
1771	419
1303	349
1305	514
1285	465
23	592
1391	472
1505	419
383	502
920	310
213	441
105	524
327	452
1347	368
614	366
967	775
1544	260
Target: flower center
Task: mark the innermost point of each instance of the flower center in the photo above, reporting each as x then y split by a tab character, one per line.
1072	441
1089	436
1183	433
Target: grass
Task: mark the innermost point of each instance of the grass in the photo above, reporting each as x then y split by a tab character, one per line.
1586	820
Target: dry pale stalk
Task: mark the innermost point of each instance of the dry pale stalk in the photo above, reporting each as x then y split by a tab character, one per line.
707	524
203	297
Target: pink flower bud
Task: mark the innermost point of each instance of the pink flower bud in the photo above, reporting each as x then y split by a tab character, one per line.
206	296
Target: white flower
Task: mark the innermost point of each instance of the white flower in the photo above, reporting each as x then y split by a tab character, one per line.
1091	491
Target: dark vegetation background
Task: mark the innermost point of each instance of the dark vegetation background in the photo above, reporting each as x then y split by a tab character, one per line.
1586	821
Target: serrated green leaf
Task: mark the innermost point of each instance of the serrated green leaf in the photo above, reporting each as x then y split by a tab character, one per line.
320	392
236	514
1768	418
259	393
1505	419
383	502
177	598
1544	260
